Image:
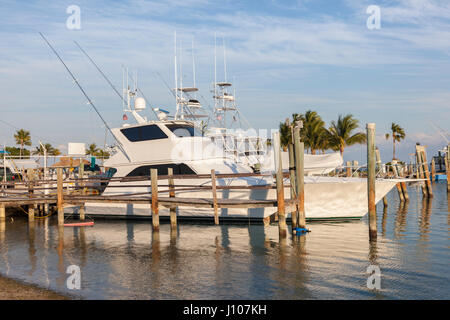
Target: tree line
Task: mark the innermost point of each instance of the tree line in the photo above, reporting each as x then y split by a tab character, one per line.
23	139
340	134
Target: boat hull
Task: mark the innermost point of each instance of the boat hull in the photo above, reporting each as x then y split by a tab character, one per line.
325	199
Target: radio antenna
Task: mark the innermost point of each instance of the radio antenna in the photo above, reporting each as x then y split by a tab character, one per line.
85	95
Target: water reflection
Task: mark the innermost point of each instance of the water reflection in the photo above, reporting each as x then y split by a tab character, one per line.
60	250
400	220
31	247
126	260
384	220
424	220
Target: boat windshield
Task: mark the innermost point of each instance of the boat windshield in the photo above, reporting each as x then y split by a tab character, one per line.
184	130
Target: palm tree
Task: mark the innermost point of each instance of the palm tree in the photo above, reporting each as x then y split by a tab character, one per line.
92	150
285	134
102	153
398	134
23	138
203	127
313	133
40	151
340	134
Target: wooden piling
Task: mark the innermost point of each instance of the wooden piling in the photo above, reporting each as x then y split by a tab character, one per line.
378	169
30	174
299	148
423	161
405	191
60	199
348	164
447	167
155	209
2	212
399	184
420	173
292	178
371	173
385	202
214	194
433	170
81	175
355	165
82	212
280	186
173	209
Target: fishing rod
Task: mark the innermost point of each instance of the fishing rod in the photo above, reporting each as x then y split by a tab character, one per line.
109	82
86	96
101	72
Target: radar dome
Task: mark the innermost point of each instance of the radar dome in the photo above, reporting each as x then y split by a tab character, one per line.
139	104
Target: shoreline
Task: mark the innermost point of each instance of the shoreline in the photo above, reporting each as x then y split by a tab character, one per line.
12	289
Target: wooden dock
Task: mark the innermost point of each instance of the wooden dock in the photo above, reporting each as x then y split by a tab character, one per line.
43	197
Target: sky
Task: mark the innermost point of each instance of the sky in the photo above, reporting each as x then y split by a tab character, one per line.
283	57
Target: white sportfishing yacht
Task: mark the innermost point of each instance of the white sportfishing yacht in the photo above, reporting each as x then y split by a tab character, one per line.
178	144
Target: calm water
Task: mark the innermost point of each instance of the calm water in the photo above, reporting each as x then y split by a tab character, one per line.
124	260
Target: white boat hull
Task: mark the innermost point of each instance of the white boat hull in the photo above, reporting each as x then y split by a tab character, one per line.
325	199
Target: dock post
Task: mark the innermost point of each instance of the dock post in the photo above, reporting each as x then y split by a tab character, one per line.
355	165
82	212
81	176
371	180
423	159
433	170
214	194
405	191
420	173
155	210
294	213
280	186
349	168
46	191
300	174
173	209
60	199
30	174
378	169
2	212
447	167
398	185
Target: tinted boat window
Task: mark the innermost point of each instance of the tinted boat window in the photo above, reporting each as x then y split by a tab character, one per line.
162	169
144	133
182	130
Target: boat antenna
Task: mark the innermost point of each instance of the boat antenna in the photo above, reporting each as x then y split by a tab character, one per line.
193	61
215	64
176	76
224	58
85	95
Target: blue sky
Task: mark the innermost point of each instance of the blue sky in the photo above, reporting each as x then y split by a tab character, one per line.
283	57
